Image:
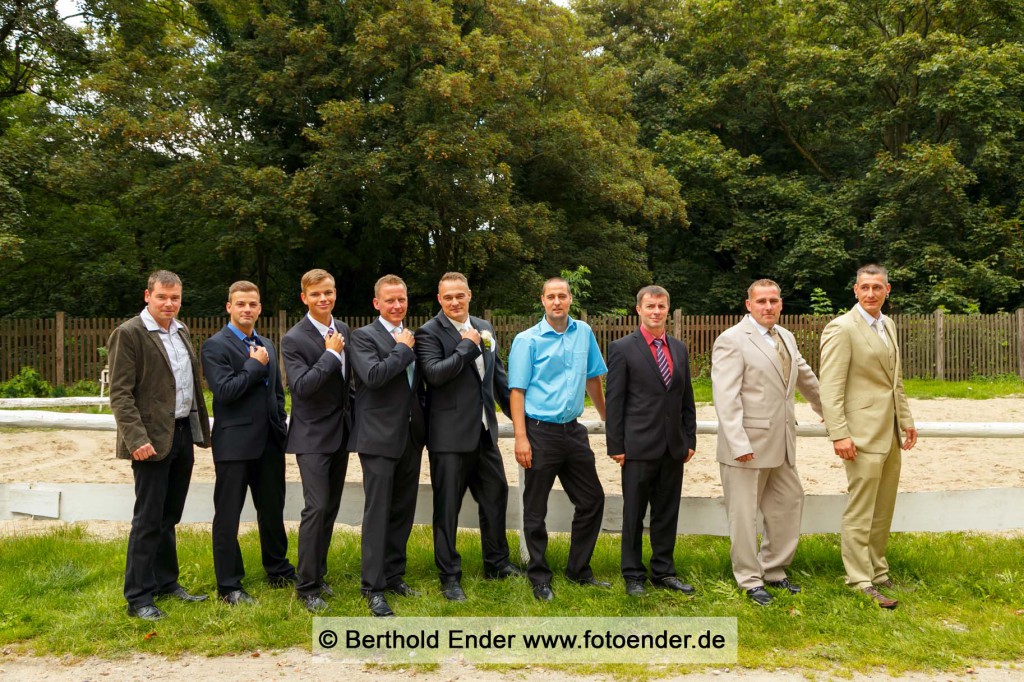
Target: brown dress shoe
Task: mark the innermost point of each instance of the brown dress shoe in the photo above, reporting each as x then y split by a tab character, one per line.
883	601
887	584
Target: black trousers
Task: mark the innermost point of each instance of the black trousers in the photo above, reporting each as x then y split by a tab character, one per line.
161	487
264	477
389	488
323	479
657	483
482	472
562	451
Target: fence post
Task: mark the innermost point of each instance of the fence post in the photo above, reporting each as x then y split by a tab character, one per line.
677	323
487	315
940	346
282	329
58	348
1020	342
583	314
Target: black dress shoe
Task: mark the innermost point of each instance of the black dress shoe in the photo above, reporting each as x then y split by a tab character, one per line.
673	583
180	594
236	597
452	591
543	592
325	590
147	612
785	585
590	582
506	571
635	588
760	596
379	606
282	580
402	589
313	603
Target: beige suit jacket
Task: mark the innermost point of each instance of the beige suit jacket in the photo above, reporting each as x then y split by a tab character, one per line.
861	384
755	405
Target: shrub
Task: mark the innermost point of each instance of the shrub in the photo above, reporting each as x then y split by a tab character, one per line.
27	384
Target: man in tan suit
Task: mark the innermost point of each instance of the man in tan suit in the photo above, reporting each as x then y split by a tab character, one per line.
755	369
865	409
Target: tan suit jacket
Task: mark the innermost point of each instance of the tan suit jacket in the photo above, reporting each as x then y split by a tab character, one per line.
755	406
142	391
861	384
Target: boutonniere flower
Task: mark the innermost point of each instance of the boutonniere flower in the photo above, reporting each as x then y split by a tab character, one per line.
487	339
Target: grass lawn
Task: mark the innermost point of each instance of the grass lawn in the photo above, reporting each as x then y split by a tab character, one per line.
963	601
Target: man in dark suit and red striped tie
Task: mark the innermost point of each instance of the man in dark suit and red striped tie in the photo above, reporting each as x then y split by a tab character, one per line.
651	432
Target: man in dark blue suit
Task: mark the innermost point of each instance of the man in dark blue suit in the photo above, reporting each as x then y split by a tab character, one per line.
319	374
389	430
457	354
248	444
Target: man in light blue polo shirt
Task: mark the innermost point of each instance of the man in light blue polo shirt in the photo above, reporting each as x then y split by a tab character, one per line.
549	367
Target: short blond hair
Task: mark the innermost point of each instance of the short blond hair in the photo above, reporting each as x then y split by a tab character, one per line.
453	277
315	276
386	281
873	269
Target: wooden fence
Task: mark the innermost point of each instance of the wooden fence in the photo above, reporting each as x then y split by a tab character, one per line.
940	346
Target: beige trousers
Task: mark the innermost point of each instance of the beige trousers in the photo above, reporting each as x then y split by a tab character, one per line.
873	479
777	492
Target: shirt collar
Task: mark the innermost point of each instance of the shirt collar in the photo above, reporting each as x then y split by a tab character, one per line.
153	326
867	317
457	324
388	326
760	327
239	333
322	328
546	328
649	337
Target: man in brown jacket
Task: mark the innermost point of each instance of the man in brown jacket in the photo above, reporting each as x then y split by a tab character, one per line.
157	400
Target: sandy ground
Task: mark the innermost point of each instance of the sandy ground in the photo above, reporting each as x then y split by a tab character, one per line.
82	456
935	464
297	663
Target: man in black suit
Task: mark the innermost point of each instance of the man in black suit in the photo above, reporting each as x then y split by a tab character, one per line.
388	433
157	401
651	433
457	355
249	433
319	373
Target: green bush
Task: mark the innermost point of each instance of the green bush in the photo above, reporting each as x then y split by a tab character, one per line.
83	388
27	384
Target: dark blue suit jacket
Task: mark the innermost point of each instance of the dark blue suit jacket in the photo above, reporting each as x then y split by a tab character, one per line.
248	398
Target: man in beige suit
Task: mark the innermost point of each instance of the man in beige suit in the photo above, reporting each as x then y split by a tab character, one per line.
755	369
865	409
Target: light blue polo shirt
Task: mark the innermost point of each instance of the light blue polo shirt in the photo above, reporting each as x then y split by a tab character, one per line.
553	369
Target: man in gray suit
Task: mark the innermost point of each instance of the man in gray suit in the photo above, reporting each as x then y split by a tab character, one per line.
755	368
157	400
319	377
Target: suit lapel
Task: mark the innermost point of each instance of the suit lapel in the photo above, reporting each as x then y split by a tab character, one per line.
446	324
640	346
876	344
234	341
771	354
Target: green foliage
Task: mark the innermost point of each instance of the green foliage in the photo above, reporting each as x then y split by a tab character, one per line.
579	287
821	304
26	384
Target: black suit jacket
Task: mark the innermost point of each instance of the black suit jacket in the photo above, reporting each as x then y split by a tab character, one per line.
456	393
248	398
321	421
388	412
643	417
